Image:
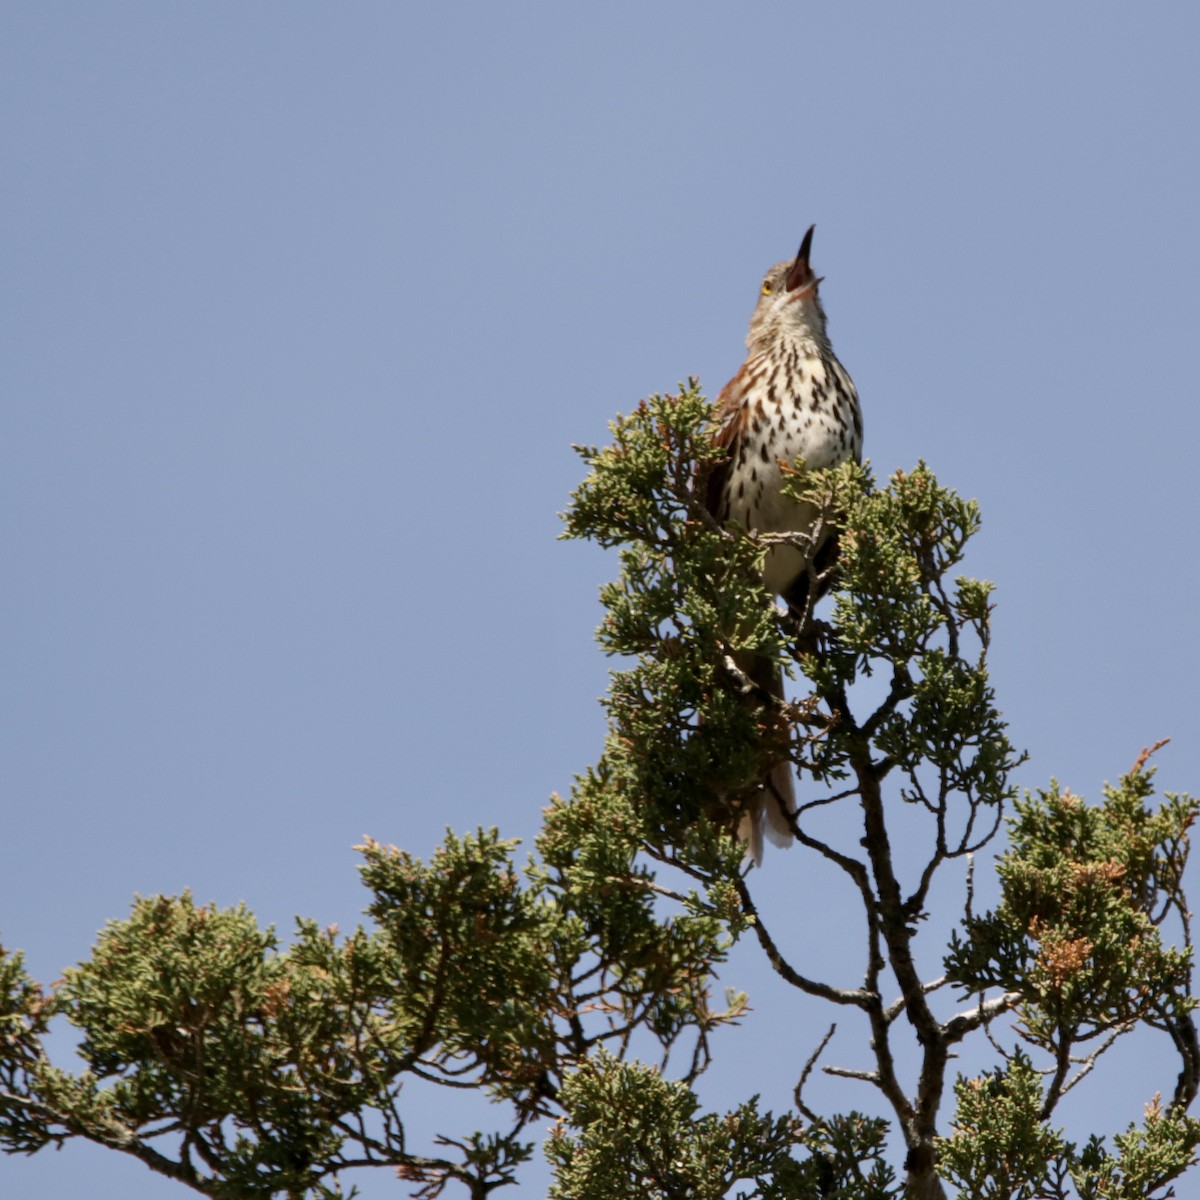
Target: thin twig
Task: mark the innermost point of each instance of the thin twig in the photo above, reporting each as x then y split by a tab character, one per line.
850	1073
1089	1061
897	1006
808	1067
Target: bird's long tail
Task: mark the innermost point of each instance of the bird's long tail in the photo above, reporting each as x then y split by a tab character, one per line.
764	815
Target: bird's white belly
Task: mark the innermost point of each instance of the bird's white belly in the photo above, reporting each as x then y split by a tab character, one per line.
763	508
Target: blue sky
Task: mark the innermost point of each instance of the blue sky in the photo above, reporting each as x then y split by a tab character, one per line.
304	305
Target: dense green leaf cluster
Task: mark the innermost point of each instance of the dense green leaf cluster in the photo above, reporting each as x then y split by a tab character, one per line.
1002	1148
688	601
662	1147
1077	935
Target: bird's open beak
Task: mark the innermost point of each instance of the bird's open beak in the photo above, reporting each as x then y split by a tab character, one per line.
801	276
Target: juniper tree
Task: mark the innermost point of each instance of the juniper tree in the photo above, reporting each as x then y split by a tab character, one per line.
577	987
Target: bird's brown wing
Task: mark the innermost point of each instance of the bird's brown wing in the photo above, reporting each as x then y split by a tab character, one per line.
727	408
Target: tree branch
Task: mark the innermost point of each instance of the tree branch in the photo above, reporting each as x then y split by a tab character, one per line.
852	996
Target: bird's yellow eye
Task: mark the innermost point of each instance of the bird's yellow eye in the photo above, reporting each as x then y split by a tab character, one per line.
766	287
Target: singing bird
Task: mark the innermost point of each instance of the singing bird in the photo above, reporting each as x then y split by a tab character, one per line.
790	401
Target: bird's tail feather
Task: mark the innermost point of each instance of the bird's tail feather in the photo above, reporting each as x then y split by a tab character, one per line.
768	810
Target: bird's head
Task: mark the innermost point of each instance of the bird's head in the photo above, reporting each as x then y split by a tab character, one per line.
788	305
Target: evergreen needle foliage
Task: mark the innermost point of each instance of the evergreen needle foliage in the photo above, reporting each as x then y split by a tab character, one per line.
577	988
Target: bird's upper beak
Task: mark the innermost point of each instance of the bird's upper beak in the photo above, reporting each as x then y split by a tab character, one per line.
800	276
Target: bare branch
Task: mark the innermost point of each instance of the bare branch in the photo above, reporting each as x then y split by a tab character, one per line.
805	1111
1088	1062
784	969
897	1006
963	1023
871	1077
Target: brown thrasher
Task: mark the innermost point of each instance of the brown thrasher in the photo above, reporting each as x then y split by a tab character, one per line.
790	401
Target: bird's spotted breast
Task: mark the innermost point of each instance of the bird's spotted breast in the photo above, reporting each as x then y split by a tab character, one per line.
785	408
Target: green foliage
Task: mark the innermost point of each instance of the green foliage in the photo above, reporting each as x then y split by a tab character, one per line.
242	1067
652	970
688	597
999	1148
898	546
171	1001
261	1064
897	612
630	1132
1002	1148
1077	935
472	954
176	1007
1146	1162
24	1021
848	1161
659	1147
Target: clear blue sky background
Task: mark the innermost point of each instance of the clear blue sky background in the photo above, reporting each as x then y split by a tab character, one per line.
303	306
